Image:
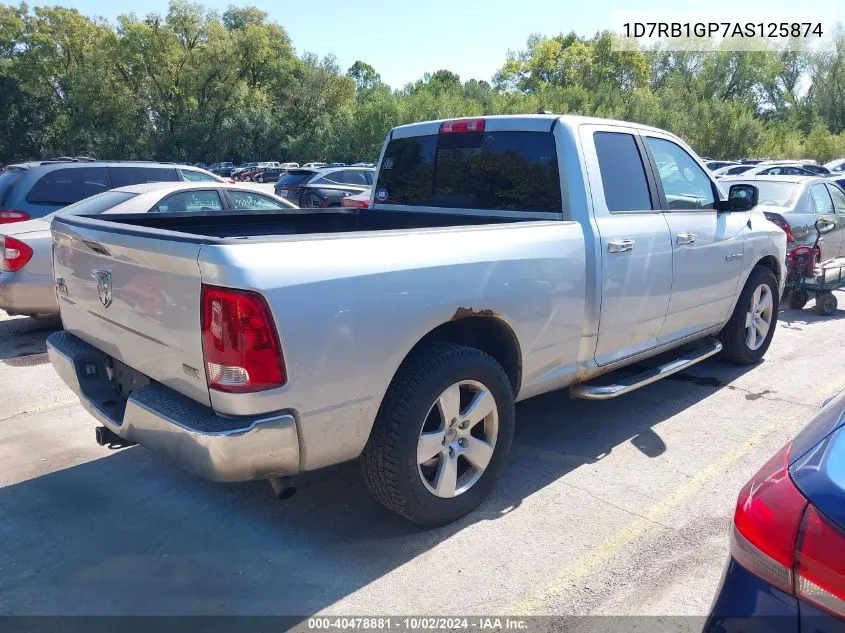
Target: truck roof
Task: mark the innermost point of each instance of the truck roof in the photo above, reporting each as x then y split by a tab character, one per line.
531	122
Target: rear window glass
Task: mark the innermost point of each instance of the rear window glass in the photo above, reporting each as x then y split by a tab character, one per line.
773	194
7	179
503	171
293	179
64	186
95	204
123	176
622	172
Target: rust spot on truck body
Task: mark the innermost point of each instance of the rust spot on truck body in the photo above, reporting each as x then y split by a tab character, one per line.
462	312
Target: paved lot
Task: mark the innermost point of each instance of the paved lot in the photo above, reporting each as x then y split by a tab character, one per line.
620	507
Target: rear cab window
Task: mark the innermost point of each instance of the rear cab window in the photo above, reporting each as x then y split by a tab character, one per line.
68	185
498	171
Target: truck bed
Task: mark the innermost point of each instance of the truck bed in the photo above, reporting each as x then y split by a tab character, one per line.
225	226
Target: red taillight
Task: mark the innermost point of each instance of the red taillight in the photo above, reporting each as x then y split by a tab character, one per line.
768	514
352	203
461	126
15	254
241	348
7	216
820	563
785	226
230	181
782	538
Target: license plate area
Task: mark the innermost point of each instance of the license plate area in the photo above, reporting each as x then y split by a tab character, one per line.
125	379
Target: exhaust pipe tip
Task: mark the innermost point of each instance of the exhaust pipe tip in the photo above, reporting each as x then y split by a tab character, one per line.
107	437
283	487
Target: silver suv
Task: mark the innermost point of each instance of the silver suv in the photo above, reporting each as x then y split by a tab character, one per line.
35	189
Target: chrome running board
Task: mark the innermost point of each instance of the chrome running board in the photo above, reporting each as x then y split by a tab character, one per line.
627	384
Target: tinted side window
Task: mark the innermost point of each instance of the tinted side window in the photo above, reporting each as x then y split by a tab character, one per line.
838	199
190	201
354	177
622	172
821	198
294	179
507	171
124	176
64	186
685	184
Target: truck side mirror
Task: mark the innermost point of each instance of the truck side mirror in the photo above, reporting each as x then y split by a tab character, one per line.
742	197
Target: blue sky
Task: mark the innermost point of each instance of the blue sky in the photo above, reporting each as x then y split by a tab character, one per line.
404	39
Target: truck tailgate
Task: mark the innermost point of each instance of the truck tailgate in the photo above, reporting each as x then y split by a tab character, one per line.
135	298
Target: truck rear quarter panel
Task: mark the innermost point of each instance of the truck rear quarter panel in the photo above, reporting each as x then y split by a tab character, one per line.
349	309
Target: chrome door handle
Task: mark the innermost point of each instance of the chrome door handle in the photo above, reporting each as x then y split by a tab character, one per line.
621	246
686	238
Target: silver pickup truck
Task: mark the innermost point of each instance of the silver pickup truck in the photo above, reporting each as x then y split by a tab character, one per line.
501	258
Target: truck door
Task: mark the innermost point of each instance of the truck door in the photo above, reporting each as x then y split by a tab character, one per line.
635	250
708	245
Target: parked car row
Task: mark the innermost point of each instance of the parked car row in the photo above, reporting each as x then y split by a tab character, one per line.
324	187
749	167
269	171
32	193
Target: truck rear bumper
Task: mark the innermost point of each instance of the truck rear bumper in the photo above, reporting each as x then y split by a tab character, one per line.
212	446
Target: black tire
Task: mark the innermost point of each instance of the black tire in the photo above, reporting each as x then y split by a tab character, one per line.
798	299
260	179
826	303
389	460
735	348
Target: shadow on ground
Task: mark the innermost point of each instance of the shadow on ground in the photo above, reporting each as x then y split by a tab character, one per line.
23	340
131	533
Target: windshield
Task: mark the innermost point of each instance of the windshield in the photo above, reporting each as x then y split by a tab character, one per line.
775	194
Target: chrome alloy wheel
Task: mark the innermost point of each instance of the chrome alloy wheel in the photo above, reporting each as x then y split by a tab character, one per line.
758	320
457	439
